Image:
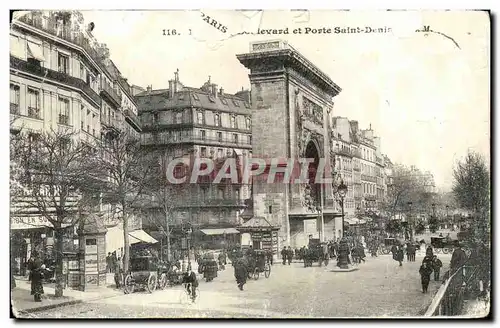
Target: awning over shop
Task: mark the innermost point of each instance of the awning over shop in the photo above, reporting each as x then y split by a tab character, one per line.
35	51
140	236
238	152
16	47
114	238
221	231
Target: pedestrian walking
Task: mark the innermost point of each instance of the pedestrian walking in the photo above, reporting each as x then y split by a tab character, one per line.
36	272
118	273
240	272
436	266
289	255
425	276
284	253
361	252
109	263
399	255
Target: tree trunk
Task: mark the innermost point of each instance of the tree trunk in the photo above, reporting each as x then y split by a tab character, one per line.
59	235
126	242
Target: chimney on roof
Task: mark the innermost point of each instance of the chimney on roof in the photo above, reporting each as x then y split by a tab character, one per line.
176	74
214	90
149	88
221	91
171	90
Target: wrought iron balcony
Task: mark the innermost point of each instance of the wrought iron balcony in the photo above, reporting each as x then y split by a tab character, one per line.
45	73
111	95
345	152
133	119
63	31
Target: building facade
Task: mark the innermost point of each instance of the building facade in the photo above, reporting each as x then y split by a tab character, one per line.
59	80
200	122
361	165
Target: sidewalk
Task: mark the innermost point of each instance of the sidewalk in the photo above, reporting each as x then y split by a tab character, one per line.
22	300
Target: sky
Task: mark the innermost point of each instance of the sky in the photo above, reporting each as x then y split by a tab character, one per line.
425	94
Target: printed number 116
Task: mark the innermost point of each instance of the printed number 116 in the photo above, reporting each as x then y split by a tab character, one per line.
173	32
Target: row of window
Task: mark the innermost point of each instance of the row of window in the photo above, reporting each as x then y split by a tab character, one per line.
34	104
180	117
370	189
368	154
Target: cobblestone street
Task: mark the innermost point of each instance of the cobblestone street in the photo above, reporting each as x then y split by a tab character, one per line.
379	288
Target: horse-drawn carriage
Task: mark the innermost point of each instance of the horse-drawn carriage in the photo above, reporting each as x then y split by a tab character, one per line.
145	272
387	245
442	244
259	263
316	252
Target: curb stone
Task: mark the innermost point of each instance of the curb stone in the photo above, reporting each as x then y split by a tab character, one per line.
62	304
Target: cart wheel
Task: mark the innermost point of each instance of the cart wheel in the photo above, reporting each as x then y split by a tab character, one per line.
446	250
256	274
129	284
386	251
163	281
437	250
267	271
152	281
249	274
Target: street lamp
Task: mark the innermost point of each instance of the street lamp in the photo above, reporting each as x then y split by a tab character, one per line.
342	190
343	256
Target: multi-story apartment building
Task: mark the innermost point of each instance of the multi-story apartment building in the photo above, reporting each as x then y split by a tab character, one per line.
200	122
58	78
360	164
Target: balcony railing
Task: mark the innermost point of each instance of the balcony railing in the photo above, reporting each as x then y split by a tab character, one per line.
345	152
14	108
111	123
368	178
64	32
109	92
133	119
46	73
161	140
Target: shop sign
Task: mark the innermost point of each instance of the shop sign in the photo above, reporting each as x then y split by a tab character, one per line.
28	222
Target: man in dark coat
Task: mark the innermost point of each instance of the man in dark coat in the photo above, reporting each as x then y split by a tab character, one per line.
425	276
400	255
361	252
284	254
436	266
240	271
458	258
289	255
429	251
36	272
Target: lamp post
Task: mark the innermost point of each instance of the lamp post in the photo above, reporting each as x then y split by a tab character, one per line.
189	232
343	256
410	225
342	191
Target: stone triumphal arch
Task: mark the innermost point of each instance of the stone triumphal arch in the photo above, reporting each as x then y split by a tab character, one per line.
292	100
